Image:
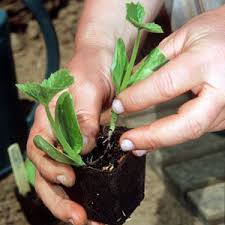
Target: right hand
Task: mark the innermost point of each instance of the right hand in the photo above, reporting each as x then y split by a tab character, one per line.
92	91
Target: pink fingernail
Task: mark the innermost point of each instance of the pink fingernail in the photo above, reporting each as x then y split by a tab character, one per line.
127	145
61	179
85	140
139	153
117	106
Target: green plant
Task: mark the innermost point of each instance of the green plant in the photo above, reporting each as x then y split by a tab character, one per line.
64	124
121	69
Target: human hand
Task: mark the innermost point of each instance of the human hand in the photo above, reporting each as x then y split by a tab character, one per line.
91	90
197	55
98	29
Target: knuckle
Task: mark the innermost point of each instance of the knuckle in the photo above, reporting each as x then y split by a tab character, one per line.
196	128
165	85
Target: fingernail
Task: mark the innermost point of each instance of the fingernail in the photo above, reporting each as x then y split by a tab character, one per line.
127	145
61	179
117	106
139	153
85	140
71	221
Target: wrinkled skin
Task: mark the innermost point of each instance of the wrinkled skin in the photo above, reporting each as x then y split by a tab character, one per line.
197	56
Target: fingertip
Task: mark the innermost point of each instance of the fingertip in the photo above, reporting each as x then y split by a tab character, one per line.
89	145
139	153
78	216
127	145
117	106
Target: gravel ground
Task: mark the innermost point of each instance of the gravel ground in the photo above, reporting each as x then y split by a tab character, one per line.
159	206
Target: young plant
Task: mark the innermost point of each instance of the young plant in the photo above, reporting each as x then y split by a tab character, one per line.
121	69
64	124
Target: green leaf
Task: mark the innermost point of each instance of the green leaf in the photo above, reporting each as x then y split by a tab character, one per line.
152	27
58	81
153	62
135	14
35	91
66	120
119	64
55	154
44	92
59	135
31	171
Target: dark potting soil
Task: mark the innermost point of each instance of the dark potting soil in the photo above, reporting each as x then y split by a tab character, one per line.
107	154
111	186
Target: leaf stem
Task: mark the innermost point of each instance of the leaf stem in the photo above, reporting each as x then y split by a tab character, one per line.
112	124
50	118
132	61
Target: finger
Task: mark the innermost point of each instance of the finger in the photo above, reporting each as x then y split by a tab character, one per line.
88	107
173	79
89	97
51	170
105	117
57	201
192	120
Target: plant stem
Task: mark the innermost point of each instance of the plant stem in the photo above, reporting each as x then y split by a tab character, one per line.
112	124
126	79
132	61
50	118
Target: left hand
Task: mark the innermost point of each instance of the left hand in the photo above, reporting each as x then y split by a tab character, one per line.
197	63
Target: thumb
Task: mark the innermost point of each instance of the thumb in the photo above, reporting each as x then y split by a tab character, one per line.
88	105
92	90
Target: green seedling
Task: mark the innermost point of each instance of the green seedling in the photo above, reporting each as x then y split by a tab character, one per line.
64	123
121	69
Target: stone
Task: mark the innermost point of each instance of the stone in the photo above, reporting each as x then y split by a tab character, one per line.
196	173
16	42
33	30
207	144
209	202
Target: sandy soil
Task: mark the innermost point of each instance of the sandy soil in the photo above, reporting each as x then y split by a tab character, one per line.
159	206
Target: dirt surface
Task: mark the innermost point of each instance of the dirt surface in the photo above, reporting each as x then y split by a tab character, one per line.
107	155
159	207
